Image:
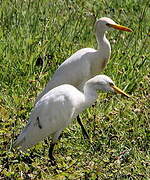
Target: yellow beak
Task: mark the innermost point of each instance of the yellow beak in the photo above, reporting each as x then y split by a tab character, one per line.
120	27
119	91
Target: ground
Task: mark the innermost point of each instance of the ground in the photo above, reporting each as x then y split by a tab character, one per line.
36	37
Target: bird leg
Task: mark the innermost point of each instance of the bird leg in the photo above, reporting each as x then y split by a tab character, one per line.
85	134
55	137
50	154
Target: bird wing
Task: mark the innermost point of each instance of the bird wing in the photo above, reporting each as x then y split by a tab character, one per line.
75	71
50	115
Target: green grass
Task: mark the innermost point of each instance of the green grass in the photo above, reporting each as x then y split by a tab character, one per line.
119	128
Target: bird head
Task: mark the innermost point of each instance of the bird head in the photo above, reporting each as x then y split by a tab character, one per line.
105	24
105	83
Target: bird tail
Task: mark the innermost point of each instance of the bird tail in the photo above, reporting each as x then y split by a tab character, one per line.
22	140
30	136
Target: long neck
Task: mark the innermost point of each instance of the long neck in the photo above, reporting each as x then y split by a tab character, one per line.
90	94
103	43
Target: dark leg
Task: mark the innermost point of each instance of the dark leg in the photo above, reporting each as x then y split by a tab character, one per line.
50	155
55	137
85	134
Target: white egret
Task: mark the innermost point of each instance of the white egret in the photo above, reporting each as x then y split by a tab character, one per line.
86	62
55	110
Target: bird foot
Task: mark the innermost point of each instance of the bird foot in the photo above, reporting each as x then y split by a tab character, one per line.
52	160
85	135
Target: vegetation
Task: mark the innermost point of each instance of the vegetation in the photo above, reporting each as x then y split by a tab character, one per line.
35	38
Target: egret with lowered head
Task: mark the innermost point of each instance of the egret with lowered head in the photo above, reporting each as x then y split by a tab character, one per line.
56	109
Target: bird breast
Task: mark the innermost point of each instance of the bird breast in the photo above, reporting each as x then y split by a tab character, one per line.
98	64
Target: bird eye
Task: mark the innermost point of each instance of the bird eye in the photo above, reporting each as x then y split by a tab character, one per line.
107	24
111	84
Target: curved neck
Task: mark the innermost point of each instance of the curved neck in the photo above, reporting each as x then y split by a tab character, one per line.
103	43
90	94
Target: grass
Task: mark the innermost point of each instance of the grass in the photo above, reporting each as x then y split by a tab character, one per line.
35	38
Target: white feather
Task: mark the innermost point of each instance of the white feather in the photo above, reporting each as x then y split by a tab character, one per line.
56	109
85	63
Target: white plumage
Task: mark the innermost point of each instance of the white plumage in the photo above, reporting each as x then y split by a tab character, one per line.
86	62
56	109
